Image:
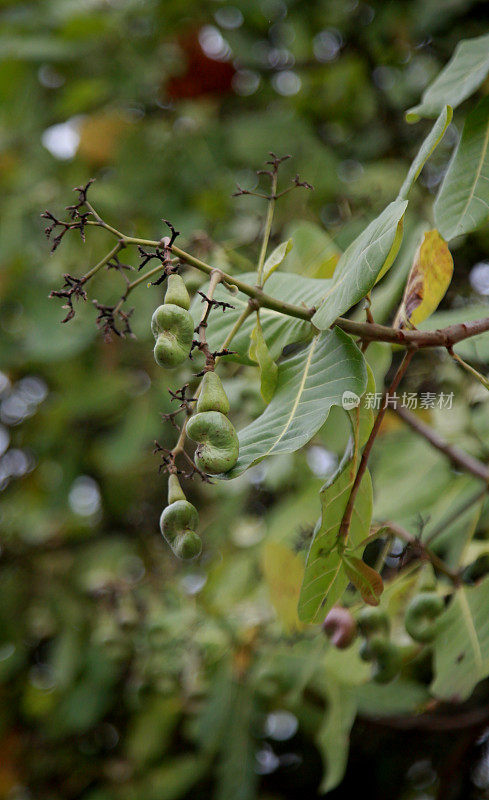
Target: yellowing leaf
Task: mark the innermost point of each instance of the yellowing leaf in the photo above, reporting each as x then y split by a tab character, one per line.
260	353
364	578
428	281
284	571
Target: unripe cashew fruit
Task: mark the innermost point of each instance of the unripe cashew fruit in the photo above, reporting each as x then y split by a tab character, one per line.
176	292
421	616
175	491
340	627
177	524
372	620
365	651
212	395
173	329
178	521
218	445
387	659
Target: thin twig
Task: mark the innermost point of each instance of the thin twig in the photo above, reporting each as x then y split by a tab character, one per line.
201	329
457	456
267	230
442	526
423	551
105	260
475	373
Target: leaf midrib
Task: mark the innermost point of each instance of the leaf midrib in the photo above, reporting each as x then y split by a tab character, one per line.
298	396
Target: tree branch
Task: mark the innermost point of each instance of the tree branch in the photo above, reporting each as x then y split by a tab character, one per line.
346	521
443	337
457	456
366	331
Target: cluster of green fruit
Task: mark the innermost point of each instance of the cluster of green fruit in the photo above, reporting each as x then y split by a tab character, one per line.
373	624
217	441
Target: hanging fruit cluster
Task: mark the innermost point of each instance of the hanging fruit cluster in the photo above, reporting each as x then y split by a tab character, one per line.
217	441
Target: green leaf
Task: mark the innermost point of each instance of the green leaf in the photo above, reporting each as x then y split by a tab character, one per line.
402	696
364	578
309	383
346	666
462	76
39	48
171	780
462	204
315	254
236	767
275	258
260	353
369	256
362	417
325	579
455	525
333	737
386	295
431	490
430	143
461	646
278	329
151	730
283	571
215	711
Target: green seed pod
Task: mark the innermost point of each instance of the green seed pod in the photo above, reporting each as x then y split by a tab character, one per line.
177	524
218	445
387	660
421	616
176	292
173	329
372	620
212	395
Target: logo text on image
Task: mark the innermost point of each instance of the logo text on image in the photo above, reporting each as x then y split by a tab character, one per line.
350	400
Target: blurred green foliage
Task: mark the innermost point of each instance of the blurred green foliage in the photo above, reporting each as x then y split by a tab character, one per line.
123	674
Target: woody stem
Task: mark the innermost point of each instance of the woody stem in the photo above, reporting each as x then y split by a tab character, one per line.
345	522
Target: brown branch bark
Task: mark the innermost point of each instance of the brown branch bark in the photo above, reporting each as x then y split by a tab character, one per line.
443	337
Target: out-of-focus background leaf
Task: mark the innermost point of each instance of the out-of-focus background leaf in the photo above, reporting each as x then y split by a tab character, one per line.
124	674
